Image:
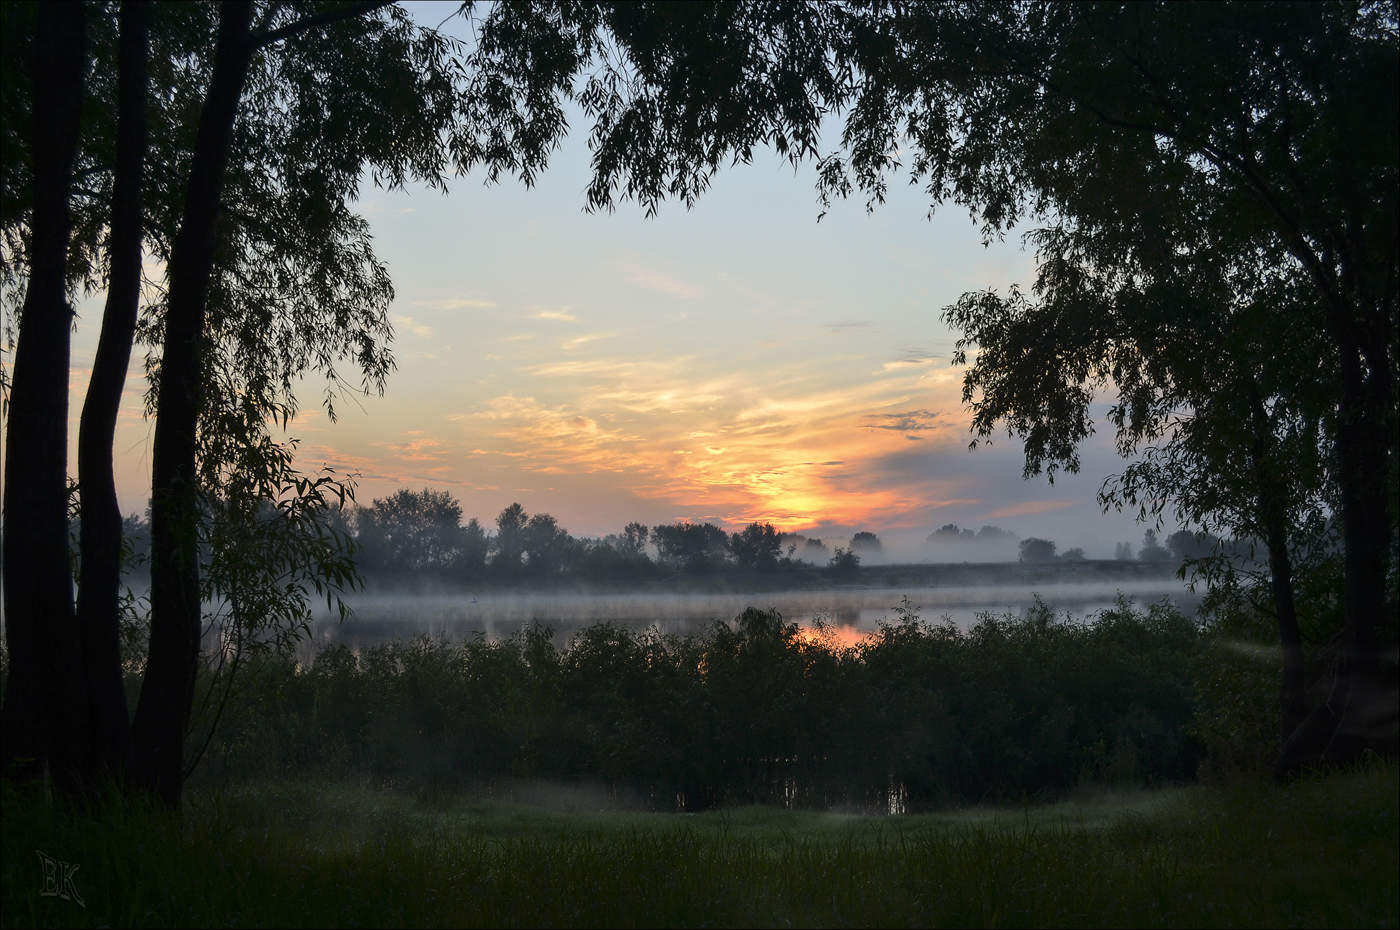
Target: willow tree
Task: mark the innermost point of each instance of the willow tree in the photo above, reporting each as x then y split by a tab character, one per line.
43	695
263	119
1245	150
1220	182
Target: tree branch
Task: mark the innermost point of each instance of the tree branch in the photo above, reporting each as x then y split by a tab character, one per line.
325	18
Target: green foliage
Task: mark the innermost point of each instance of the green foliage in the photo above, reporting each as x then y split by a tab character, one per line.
1237	677
1238	683
1323	852
754	711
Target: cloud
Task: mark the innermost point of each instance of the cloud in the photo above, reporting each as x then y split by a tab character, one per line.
1027	508
849	324
417	449
910	421
583	340
663	283
561	315
413	326
456	303
913	358
785	448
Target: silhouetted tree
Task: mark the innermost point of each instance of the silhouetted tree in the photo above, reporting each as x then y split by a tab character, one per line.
1186	545
1193	260
867	545
547	546
412	532
844	562
269	273
691	547
756	548
101	542
46	695
1152	550
475	545
1035	549
634	538
509	543
949	532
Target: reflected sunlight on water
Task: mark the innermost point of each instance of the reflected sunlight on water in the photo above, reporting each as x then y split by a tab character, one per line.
848	614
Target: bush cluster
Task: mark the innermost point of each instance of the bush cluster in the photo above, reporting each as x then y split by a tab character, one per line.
753	711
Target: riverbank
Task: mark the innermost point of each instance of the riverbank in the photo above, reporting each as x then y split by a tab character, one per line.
803	577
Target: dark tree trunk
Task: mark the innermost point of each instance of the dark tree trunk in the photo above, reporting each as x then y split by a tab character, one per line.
1364	697
44	695
1273	510
1361	710
100	578
1292	693
167	692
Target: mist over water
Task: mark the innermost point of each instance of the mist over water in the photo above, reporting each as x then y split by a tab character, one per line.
380	617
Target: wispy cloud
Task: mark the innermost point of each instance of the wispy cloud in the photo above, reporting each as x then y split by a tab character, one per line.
784	448
1027	508
561	315
910	421
577	341
849	324
417	448
456	303
912	358
658	281
403	321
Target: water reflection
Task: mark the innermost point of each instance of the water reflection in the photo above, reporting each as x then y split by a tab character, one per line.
848	612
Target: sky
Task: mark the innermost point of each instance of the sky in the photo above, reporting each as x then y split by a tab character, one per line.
737	362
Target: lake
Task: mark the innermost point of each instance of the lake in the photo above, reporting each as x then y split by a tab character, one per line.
852	610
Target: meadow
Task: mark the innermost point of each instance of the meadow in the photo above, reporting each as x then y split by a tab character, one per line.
1320	852
1033	770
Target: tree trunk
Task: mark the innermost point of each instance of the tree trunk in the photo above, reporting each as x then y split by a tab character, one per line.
1364	697
167	692
100	579
44	695
1273	510
1292	694
1361	711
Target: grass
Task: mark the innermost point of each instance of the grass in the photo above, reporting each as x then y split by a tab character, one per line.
1320	852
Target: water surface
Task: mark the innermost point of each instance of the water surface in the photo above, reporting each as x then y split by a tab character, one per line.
852	610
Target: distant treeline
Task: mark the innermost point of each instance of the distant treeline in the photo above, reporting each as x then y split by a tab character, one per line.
1181	546
753	711
420	535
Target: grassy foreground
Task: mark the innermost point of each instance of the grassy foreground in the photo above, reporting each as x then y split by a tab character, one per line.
1324	852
